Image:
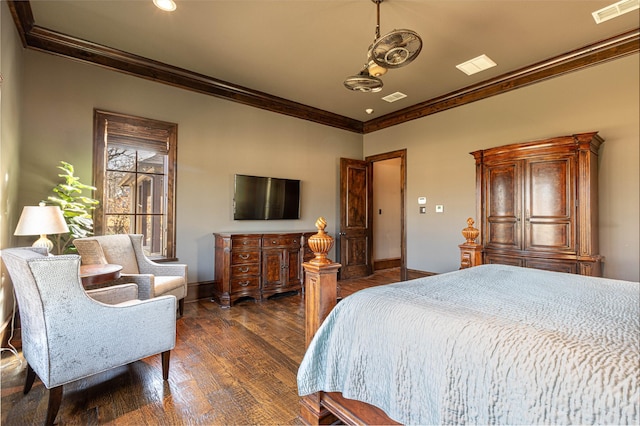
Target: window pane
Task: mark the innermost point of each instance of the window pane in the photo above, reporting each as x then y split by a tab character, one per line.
119	192
120	158
118	224
151	162
151	191
154	230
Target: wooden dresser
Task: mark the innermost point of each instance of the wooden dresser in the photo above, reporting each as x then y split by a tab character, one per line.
537	204
258	265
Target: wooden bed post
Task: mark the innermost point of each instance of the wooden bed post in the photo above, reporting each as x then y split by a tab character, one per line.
321	283
470	251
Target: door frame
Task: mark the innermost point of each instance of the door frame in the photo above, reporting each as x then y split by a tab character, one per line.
402	154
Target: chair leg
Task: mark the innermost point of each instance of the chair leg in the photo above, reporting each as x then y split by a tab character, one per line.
181	307
166	355
31	377
55	398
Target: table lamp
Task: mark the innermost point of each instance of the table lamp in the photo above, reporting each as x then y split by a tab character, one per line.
41	220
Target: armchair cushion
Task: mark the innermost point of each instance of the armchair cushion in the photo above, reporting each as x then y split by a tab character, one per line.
119	250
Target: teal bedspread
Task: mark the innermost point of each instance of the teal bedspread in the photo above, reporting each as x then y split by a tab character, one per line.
492	344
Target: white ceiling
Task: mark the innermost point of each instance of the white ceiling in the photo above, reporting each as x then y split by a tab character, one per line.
302	50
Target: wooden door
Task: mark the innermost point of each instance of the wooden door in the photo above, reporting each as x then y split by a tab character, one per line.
503	206
549	218
355	228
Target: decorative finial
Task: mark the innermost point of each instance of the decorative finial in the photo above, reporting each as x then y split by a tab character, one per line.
470	233
320	244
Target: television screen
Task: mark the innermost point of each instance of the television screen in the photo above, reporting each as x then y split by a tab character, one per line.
265	198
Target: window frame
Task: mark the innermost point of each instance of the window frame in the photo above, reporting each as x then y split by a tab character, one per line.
133	127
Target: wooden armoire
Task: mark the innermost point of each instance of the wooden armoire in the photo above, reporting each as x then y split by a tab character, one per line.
537	204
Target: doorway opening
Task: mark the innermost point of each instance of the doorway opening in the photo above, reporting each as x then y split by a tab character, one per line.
388	179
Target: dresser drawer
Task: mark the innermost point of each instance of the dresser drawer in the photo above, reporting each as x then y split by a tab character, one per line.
248	269
245	284
249	242
240	257
280	241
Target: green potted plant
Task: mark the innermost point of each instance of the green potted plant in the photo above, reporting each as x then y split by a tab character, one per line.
76	208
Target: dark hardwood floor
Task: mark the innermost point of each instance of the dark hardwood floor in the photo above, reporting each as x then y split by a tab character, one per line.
229	366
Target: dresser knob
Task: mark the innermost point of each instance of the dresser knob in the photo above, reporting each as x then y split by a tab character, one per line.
243	256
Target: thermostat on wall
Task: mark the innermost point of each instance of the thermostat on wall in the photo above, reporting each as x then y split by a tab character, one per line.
422	200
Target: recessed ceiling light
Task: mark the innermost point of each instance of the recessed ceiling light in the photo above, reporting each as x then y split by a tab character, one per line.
614	10
167	5
475	65
394	97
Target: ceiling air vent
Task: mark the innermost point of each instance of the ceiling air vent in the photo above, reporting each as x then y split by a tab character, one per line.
394	97
615	10
475	65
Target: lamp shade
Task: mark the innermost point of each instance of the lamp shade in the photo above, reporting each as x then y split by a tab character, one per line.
39	220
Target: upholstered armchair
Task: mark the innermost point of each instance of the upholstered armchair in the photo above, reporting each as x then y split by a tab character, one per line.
153	279
67	335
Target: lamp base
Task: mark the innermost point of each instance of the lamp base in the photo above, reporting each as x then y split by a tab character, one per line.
43	241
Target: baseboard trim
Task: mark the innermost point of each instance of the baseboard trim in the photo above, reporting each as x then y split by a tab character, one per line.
199	291
418	273
386	264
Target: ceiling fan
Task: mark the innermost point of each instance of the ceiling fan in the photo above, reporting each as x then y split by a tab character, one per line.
393	50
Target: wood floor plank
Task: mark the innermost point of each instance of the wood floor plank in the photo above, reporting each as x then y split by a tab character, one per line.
230	366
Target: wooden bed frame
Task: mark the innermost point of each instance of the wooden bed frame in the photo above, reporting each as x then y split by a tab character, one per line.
321	284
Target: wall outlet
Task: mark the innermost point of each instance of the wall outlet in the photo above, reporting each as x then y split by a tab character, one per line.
439	208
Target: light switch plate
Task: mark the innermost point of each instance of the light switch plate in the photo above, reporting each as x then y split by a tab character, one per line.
423	210
422	200
439	208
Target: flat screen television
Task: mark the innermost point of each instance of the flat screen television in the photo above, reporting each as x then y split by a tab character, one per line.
265	198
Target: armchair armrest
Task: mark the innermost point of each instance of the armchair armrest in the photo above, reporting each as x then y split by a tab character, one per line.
147	266
115	294
143	281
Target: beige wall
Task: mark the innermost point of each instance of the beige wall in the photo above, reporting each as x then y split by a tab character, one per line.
10	107
216	139
603	98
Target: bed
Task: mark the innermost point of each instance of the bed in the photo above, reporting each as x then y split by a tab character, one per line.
492	344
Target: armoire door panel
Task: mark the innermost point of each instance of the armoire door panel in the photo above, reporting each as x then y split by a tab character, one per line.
502	190
554	237
503	207
549	191
549	206
503	234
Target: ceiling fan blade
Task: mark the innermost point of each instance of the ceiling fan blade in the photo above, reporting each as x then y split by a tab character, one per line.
396	49
363	82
